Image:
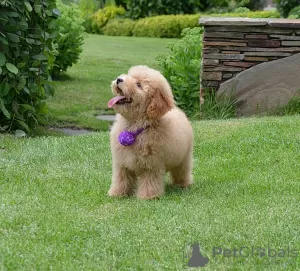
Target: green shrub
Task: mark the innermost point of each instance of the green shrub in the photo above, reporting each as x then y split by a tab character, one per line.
181	67
101	17
285	6
69	39
295	13
165	26
119	27
27	29
250	14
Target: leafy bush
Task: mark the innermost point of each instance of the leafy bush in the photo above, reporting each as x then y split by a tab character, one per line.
119	27
181	67
165	26
101	17
285	6
26	42
295	13
69	39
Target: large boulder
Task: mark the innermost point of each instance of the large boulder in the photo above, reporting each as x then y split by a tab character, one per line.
264	87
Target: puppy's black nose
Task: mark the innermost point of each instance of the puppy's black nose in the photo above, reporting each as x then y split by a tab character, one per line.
119	80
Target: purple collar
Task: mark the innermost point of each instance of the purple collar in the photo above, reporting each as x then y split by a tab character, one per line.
127	138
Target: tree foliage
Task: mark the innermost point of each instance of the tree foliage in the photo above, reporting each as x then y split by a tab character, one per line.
285	6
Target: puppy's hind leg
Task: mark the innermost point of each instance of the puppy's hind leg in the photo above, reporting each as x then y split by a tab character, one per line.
182	174
122	183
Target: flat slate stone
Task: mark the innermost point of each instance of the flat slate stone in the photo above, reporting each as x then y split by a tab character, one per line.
212	76
290	43
232	21
210	62
73	132
249	29
226	21
223	35
264	43
256	36
238	64
246	49
224	56
285	37
267	54
264	87
256	58
106	117
224	69
284	23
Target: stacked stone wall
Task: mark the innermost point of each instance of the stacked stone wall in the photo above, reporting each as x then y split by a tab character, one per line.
232	45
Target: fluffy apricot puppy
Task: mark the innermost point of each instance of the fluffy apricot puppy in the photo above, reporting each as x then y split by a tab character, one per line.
151	136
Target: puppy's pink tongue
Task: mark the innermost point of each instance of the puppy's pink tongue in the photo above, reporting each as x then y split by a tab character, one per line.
115	100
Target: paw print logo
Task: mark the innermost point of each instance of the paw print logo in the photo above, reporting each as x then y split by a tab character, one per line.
197	259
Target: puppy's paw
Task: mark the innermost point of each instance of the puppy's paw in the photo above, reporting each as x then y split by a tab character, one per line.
183	184
146	194
117	192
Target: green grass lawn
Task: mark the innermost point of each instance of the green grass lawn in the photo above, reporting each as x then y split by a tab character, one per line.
85	90
55	213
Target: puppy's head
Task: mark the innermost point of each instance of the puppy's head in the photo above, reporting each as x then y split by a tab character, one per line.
143	92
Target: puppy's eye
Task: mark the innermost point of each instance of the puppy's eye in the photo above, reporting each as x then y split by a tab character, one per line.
139	85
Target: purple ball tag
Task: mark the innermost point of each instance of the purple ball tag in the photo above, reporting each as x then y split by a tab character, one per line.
127	138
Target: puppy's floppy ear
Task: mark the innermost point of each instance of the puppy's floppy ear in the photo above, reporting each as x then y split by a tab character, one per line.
160	104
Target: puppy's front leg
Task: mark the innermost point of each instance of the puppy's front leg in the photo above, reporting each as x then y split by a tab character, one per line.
122	182
151	185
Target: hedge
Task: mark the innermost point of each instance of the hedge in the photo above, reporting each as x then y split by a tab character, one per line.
119	27
250	14
165	26
26	43
170	26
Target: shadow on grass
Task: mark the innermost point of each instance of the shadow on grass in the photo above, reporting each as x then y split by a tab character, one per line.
172	190
62	77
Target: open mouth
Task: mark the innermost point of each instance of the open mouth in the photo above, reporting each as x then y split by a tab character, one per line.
120	99
124	100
